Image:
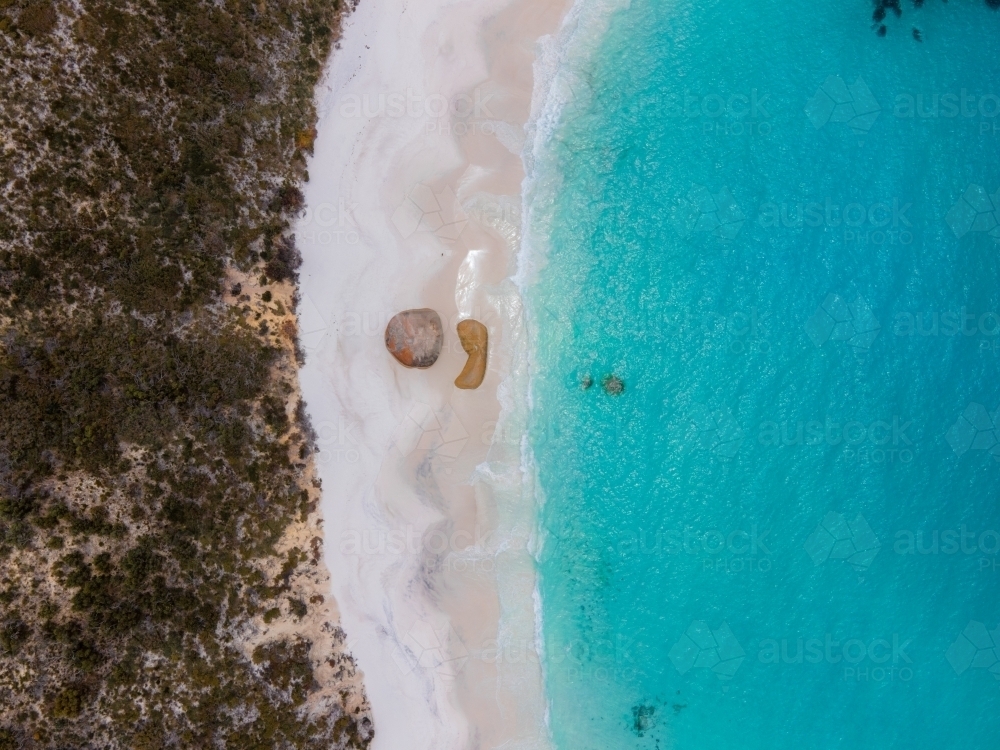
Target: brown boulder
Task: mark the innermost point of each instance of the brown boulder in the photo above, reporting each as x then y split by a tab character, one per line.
474	338
415	337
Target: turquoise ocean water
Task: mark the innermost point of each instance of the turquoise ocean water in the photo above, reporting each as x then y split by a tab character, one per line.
776	228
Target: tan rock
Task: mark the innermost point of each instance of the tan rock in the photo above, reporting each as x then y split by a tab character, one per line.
415	337
474	338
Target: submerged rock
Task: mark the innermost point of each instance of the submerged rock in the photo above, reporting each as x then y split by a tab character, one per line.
613	385
586	382
474	338
415	337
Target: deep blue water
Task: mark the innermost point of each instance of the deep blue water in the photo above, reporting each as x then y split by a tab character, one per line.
784	532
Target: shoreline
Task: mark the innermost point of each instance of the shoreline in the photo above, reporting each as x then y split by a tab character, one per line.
415	201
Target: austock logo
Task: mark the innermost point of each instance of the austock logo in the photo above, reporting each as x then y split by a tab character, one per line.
733	114
703	648
423	210
423	428
881	223
853	105
431	649
337	442
876	660
312	324
733	552
976	648
718	431
977	429
850	322
411	104
330	224
713	214
836	538
976	211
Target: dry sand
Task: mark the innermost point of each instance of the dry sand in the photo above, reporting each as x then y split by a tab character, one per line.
414	200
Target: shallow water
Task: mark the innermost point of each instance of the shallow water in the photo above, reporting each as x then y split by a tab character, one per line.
784	532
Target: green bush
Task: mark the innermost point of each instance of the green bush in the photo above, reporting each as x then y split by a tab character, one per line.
298	608
68	703
38	18
9	740
13	634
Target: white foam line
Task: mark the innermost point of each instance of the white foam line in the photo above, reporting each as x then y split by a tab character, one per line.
557	86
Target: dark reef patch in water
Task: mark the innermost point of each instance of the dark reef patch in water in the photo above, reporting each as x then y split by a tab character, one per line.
613	385
882	6
643	719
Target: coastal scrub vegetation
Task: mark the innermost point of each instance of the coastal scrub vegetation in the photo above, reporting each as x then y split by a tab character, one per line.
153	451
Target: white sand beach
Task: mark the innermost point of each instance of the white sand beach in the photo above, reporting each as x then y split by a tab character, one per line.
414	200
